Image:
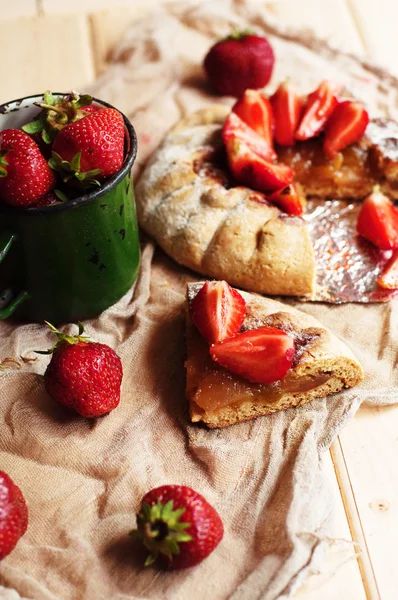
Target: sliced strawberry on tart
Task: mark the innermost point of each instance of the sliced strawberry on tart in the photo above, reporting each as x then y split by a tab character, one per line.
278	358
218	201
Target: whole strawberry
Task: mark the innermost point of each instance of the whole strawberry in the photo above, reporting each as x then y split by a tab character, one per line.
13	515
90	149
239	62
82	375
178	526
24	173
55	114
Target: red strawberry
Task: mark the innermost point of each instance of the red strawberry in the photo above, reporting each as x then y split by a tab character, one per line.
378	221
287	107
239	62
346	125
218	311
255	110
93	146
91	108
318	108
178	526
82	375
13	515
289	200
47	200
237	130
56	113
262	355
24	173
389	277
249	168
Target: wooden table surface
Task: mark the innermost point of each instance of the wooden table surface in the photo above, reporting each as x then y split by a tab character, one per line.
58	45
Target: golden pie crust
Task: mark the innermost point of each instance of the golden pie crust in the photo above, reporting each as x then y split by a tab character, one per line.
195	212
188	201
323	365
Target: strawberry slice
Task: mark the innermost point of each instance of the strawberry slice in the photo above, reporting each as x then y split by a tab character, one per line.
346	125
389	277
236	129
288	199
378	221
247	158
255	110
318	108
218	311
261	355
287	107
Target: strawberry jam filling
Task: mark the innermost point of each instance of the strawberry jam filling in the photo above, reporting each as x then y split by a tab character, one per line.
311	165
212	387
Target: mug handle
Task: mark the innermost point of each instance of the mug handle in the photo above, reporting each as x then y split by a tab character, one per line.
6	240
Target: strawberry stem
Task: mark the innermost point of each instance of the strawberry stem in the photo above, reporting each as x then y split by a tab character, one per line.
64	338
160	530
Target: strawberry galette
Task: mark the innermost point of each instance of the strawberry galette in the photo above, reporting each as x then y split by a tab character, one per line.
249	356
226	192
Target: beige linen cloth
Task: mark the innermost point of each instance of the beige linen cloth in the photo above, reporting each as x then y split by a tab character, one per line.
83	480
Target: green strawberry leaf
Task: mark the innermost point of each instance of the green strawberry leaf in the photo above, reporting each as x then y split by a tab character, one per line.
33	126
48	98
167	510
173	545
182	537
82	101
149	560
3	172
46	137
75	162
61	196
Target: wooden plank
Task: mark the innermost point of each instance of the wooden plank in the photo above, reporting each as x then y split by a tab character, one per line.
355	525
370	444
341	577
377	25
108	26
54	7
45	52
10	11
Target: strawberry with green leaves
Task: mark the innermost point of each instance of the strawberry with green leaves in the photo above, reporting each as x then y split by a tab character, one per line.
24	173
177	526
82	375
90	149
58	112
13	515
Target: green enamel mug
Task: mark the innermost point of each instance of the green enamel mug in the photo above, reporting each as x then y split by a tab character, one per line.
72	260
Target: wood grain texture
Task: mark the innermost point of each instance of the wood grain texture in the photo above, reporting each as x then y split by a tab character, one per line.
376	23
10	11
364	456
370	447
34	64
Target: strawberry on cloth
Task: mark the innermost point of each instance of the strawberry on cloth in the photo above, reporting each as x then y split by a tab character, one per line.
82	375
178	526
13	515
238	62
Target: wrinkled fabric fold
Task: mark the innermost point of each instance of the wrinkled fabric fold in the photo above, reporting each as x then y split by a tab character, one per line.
83	480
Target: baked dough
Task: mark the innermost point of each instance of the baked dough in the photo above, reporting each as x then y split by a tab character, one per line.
190	205
320	356
188	201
